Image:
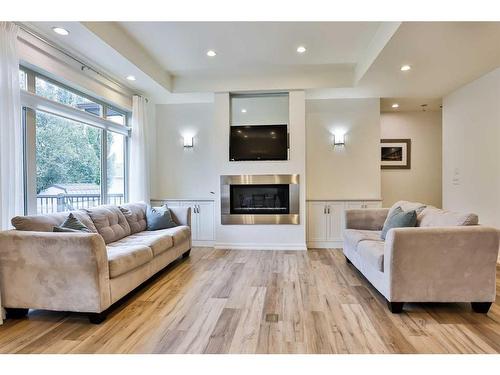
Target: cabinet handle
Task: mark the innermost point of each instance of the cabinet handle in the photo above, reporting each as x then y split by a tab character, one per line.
198	208
328	209
324	210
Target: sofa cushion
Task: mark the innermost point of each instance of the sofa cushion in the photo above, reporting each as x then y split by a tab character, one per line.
179	234
399	219
124	258
352	237
46	223
372	253
435	217
135	213
110	223
158	243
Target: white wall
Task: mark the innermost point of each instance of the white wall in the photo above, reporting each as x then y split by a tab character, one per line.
471	149
352	171
185	172
421	183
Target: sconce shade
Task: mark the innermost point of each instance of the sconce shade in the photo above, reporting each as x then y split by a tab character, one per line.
339	139
188	141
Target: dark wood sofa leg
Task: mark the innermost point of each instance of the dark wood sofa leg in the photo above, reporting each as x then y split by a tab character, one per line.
395	307
481	307
15	313
347	260
186	254
97	318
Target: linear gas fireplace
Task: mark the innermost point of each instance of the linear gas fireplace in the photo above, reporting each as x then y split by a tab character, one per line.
260	199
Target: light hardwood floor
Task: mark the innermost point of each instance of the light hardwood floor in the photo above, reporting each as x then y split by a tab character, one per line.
221	301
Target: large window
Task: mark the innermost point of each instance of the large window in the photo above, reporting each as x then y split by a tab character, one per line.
78	161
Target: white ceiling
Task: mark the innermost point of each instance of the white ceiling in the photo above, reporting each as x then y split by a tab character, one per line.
181	47
343	59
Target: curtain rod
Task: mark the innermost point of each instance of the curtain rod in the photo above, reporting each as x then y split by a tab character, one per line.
83	64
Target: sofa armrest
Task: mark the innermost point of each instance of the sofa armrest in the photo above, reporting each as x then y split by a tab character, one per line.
54	271
366	219
441	264
181	215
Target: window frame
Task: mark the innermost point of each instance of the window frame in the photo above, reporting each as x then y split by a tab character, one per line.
31	103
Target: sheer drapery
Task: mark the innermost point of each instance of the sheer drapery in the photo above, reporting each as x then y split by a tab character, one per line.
138	165
11	141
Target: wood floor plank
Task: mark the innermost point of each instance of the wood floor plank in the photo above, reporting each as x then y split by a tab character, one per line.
230	301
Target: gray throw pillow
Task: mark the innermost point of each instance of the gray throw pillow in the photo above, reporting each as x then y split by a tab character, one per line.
72	224
159	218
399	219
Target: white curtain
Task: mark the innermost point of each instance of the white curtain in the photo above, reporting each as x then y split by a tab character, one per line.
139	155
11	146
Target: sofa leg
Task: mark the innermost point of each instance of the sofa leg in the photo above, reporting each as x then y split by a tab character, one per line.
15	313
347	260
481	307
395	307
186	254
97	318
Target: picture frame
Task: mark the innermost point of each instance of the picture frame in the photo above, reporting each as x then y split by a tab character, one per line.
395	153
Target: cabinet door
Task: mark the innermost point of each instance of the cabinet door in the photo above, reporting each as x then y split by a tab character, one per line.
317	221
205	221
174	203
194	219
335	218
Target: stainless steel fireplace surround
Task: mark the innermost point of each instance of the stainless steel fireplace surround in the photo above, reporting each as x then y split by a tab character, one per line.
260	199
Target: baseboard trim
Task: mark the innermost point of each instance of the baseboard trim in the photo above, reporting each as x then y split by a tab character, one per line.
324	244
203	243
260	246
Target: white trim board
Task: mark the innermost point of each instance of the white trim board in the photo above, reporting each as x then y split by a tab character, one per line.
195	243
325	244
260	246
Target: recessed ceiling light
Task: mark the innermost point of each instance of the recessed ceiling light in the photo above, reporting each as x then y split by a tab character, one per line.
395	105
243	110
211	53
131	78
60	31
301	49
405	68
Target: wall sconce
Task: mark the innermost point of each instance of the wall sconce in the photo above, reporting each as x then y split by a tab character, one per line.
339	139
188	142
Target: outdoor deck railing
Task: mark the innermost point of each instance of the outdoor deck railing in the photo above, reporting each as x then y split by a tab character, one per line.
47	204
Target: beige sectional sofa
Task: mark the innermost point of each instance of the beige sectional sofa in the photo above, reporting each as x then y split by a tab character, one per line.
85	272
448	257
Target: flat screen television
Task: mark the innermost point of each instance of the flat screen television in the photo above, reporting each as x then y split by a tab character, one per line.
258	142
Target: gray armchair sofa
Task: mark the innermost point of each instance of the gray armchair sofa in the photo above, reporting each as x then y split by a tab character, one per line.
448	257
85	272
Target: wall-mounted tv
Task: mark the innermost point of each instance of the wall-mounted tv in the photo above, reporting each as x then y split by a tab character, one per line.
258	142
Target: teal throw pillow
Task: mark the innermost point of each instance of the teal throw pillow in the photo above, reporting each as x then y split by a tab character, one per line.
399	219
159	218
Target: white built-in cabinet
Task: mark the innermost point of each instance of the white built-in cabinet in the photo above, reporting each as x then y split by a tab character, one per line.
325	221
202	219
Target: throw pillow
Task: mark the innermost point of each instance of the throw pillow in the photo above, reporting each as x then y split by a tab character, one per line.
399	219
72	224
159	218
